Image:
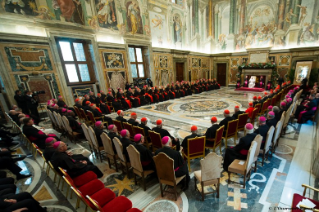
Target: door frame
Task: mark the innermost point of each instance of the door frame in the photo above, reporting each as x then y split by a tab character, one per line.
215	69
185	72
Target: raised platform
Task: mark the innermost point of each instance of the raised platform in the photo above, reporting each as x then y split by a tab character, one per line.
250	89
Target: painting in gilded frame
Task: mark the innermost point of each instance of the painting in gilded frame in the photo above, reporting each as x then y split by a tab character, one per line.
113	60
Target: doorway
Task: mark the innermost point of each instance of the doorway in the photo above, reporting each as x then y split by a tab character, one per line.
221	74
179	72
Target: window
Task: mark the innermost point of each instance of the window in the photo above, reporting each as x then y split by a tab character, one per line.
136	62
76	61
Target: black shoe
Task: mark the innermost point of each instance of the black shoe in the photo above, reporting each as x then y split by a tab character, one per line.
19	158
22	176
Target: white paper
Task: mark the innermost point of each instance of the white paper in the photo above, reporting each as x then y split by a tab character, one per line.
241	162
307	203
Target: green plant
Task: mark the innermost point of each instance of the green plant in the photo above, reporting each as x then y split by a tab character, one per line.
291	75
313	77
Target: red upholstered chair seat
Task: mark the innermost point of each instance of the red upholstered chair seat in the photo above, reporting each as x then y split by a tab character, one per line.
134	210
103	196
84	178
297	198
119	204
91	187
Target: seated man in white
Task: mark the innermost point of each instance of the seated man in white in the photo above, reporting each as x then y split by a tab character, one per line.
252	81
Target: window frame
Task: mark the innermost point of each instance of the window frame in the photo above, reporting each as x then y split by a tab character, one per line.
137	63
88	61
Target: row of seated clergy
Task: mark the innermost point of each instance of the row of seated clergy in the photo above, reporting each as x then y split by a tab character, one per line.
309	106
75	164
74	124
16	114
35	135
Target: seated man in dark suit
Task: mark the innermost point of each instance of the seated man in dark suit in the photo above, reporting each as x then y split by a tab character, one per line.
49	150
180	167
225	121
143	125
240	151
126	141
262	130
211	132
98	129
75	166
271	120
132	120
145	154
163	132
120	116
193	135
237	112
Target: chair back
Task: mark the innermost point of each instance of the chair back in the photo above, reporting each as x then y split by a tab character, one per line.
232	127
129	128
219	135
67	125
273	100
156	139
119	149
87	135
211	166
107	144
95	203
83	114
277	131
90	117
138	130
268	141
135	158
55	115
118	125
250	156
265	106
253	116
258	107
196	146
242	121
77	111
93	137
258	139
287	116
164	167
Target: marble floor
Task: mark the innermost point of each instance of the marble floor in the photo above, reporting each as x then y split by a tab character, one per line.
269	189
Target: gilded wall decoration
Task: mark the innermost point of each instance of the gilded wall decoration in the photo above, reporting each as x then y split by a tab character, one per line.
282	72
234	62
196	62
113	60
233	77
205	63
163	65
284	60
28	59
81	90
199	67
117	79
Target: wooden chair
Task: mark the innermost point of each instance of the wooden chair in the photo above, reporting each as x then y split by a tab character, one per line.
195	149
209	173
78	113
217	140
298	198
97	148
165	172
276	136
56	173
121	156
264	108
81	198
242	121
118	125
136	164
268	144
108	149
231	131
95	119
258	107
44	162
253	116
71	134
258	139
140	130
87	136
129	127
273	100
86	119
241	166
156	140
